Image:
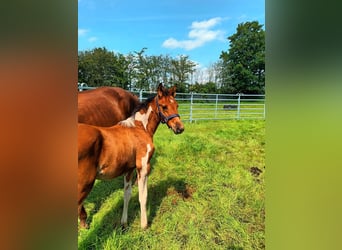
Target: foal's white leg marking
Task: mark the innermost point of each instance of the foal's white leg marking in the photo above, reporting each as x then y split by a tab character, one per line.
143	117
127	197
142	184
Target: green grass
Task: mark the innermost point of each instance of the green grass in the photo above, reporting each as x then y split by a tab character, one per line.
201	193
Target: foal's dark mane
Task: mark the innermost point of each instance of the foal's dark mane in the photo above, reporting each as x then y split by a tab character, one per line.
129	122
144	105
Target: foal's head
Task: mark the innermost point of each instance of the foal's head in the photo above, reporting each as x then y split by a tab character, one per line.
168	108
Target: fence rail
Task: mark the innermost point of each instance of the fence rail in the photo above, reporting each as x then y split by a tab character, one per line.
198	106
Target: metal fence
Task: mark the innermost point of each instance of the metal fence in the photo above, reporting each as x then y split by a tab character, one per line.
198	106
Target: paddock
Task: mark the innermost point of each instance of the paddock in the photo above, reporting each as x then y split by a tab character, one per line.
206	191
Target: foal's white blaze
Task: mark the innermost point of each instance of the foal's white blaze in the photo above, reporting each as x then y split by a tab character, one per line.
142	183
143	117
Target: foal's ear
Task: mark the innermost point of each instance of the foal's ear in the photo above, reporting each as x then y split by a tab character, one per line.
160	90
172	91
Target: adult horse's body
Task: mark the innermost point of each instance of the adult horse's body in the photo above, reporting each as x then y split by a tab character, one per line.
105	106
108	152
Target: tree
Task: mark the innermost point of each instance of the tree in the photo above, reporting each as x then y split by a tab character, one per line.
181	69
100	67
243	66
209	87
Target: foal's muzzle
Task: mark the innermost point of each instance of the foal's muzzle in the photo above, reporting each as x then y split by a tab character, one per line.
177	127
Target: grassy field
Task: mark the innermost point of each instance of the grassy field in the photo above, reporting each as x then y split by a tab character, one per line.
206	191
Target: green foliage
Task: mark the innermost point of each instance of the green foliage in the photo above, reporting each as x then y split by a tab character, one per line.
209	87
201	193
243	66
100	67
181	69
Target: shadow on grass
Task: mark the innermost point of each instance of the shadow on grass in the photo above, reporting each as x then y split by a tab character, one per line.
100	192
110	222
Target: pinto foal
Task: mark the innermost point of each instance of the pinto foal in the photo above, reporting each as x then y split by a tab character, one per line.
107	152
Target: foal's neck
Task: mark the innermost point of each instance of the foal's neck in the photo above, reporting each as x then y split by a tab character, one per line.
149	119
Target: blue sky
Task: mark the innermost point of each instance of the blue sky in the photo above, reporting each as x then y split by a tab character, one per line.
198	29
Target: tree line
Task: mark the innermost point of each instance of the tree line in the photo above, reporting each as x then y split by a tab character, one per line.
240	69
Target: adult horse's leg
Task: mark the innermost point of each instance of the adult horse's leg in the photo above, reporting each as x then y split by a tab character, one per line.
127	196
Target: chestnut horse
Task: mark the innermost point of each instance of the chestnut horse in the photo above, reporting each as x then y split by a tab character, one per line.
107	152
105	106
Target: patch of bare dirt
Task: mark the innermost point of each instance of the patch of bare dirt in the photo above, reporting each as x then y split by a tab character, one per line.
255	171
185	193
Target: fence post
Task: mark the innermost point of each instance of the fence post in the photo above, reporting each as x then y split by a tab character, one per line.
140	95
191	100
238	108
216	106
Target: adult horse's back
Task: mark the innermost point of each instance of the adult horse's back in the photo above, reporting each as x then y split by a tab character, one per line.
105	106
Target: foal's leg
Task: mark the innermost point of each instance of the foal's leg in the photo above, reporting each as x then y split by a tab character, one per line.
142	184
83	192
86	181
143	169
127	196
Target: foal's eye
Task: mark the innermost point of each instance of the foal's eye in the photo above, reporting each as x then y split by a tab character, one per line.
164	108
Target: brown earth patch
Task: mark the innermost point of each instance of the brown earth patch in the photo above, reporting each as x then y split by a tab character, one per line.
185	192
255	171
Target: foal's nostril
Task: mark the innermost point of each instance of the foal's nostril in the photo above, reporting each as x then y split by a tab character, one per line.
180	130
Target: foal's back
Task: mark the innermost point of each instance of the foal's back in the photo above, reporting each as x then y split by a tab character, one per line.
113	149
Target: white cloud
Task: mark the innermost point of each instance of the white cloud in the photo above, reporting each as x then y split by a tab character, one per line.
85	34
243	17
82	32
206	24
92	39
200	34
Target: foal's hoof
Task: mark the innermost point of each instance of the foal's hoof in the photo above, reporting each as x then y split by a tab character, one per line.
84	225
124	227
